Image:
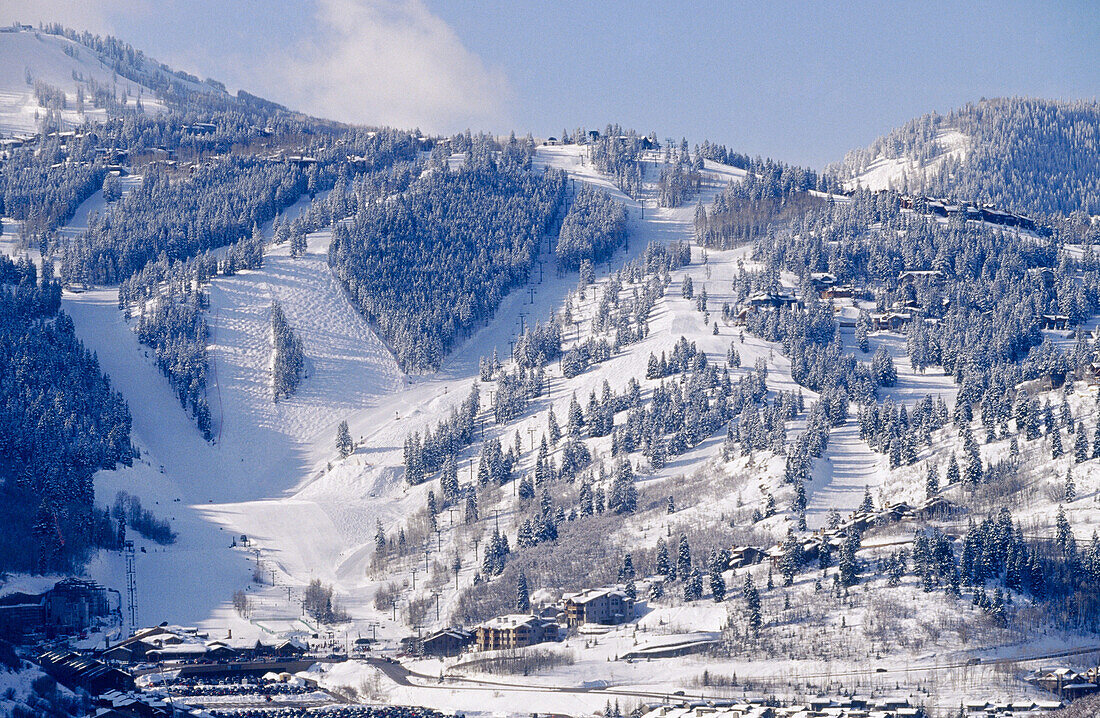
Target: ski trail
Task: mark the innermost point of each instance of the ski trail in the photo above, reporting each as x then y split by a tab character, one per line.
841	476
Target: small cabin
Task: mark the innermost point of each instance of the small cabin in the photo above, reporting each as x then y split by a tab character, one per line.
1056	322
890	321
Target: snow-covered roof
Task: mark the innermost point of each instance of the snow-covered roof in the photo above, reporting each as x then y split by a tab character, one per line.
591	594
511	620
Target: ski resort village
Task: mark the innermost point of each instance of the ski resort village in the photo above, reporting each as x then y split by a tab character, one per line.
302	418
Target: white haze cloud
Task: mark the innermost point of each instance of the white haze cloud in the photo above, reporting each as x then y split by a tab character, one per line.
391	62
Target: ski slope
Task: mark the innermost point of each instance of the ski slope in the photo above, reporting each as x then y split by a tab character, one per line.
56	61
895	173
262	449
272	475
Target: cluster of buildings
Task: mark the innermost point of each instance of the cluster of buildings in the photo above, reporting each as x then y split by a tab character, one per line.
608	606
73	606
178	643
90	674
1066	682
134	704
859	521
976	212
827	287
847	707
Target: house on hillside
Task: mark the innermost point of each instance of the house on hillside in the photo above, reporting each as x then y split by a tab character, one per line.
773	300
1055	321
745	556
607	606
890	321
845	292
921	276
822	280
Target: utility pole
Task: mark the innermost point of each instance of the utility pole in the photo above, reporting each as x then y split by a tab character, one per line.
531	433
532	291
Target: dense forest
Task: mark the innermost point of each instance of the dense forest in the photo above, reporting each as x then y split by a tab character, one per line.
217	204
61	422
594	227
427	265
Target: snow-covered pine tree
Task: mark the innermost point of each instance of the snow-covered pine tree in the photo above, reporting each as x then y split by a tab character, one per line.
289	361
344	443
523	596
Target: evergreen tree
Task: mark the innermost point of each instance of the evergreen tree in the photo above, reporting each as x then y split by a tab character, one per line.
1064	538
751	597
448	480
717	583
664	566
1069	493
523	597
683	557
792	558
848	564
624	494
952	475
289	361
379	537
693	586
1080	445
626	571
868	504
972	470
344	445
552	428
932	481
433	511
687	291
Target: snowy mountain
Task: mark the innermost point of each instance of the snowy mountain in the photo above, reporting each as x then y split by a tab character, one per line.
376	383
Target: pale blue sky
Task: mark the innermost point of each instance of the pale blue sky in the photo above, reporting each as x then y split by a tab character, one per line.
802	82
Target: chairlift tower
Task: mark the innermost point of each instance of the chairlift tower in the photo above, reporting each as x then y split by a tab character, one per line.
131	582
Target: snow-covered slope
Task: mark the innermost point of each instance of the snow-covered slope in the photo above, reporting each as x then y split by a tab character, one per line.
895	172
27	57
